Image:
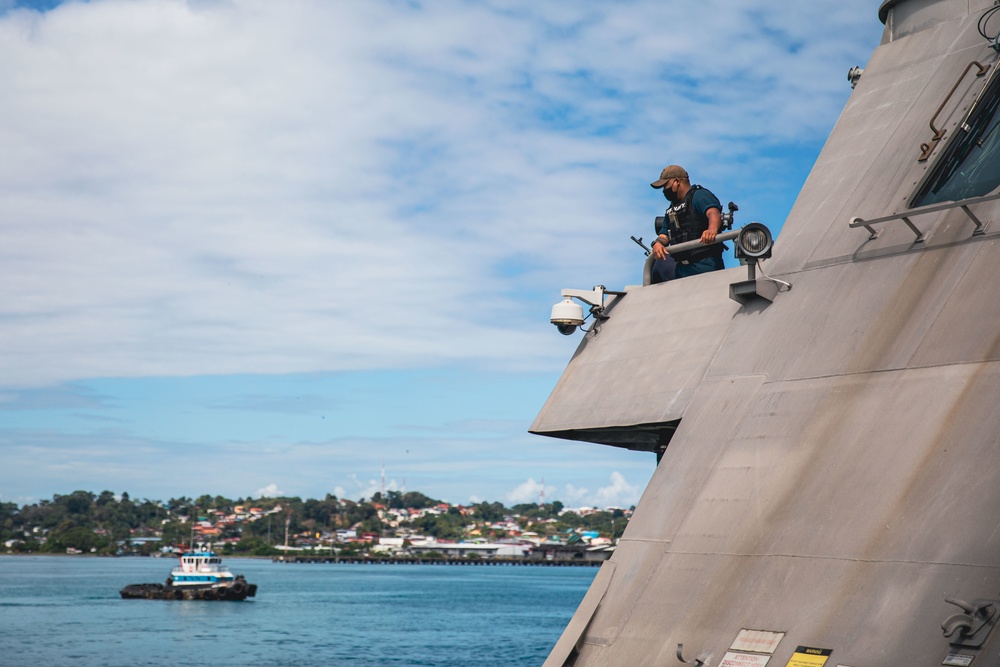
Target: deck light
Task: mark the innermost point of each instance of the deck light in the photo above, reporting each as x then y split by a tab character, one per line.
754	243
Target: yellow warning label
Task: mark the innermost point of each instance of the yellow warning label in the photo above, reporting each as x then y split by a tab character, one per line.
806	656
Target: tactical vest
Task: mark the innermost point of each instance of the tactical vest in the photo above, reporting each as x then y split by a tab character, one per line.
682	220
683	225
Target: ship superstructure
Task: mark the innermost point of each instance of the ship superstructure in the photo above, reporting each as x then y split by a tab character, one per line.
828	488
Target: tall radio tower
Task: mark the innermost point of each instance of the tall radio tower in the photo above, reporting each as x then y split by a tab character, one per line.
383	480
541	495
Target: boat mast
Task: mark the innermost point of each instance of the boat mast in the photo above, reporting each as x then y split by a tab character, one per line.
194	516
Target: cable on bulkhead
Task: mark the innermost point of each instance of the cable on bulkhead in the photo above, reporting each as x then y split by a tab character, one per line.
982	26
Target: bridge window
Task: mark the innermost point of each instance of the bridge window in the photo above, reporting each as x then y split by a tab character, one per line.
970	166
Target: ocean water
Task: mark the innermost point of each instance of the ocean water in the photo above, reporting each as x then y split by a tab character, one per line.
66	611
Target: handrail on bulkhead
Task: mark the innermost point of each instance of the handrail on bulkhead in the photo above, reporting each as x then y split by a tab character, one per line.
963	204
647	275
927	148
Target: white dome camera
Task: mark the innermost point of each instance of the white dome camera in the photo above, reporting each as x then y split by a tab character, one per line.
567	316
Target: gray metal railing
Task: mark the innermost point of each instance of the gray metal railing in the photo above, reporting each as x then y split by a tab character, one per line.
963	204
647	275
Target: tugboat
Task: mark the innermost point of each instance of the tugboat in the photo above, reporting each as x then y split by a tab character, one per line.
200	576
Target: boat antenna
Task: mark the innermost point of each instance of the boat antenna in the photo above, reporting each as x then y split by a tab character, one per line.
194	515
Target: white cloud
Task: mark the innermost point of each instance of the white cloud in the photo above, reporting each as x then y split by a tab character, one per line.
620	493
250	186
530	491
574	495
363	489
370	488
200	189
38	462
269	491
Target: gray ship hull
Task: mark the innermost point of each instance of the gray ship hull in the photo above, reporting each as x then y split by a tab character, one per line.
828	474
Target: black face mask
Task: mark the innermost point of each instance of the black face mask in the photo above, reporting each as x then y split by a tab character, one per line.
670	195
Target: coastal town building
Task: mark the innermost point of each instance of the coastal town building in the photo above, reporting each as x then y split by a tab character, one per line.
332	526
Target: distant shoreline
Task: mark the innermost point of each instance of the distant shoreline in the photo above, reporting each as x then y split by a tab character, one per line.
164	556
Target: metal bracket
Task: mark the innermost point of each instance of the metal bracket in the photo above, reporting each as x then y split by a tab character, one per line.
971	627
700	661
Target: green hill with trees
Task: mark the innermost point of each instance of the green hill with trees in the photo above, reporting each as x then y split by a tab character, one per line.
112	524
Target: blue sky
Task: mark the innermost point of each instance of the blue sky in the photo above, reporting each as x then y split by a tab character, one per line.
251	248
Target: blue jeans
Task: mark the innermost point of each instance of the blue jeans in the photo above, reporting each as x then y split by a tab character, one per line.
703	265
663	270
